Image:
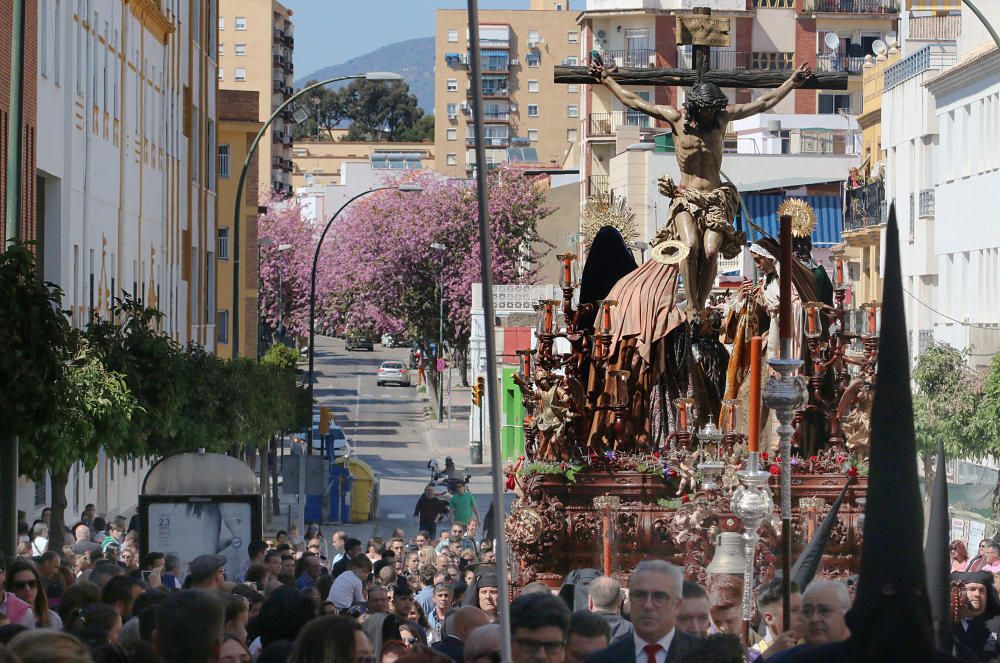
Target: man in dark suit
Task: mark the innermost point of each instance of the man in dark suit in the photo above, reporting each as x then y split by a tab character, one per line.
654	594
539	626
467	619
352	548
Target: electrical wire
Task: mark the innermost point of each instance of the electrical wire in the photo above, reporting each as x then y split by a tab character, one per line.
975	325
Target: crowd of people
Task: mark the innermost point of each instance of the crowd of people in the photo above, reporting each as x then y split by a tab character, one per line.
412	599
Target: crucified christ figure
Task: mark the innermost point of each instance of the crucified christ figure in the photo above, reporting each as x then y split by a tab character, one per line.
702	208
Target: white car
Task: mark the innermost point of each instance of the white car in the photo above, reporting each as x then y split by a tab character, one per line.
393	372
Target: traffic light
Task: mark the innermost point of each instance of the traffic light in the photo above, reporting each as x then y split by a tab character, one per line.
478	391
324	420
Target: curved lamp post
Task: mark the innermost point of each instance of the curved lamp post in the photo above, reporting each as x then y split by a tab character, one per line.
406	188
371	76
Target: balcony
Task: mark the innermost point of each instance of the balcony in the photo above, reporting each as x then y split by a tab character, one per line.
865	207
717	59
488	141
932	28
926	203
490	116
491	92
852	6
278	61
289	67
835	62
606	124
278	86
494	43
277	136
932	56
598	185
635	58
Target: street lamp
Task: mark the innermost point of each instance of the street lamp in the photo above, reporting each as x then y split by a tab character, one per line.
408	187
281	288
371	76
437	246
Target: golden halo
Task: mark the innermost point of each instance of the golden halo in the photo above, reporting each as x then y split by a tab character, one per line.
803	216
669	252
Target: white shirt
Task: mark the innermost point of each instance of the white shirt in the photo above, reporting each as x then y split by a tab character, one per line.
661	656
346	591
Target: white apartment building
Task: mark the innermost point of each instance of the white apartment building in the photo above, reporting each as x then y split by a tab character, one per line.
126	173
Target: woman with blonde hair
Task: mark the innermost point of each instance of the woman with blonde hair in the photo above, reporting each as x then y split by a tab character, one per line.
47	646
426	555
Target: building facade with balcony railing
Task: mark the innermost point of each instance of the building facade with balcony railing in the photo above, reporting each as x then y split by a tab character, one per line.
852	6
865	206
603	125
718	59
837	62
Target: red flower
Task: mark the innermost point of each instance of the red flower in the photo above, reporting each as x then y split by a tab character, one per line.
775	470
853	472
763	455
685	499
656	455
813	459
778	459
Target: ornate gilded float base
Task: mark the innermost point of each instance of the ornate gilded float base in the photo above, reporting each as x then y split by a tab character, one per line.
554	529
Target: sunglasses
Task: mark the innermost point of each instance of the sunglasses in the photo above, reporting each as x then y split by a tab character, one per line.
24	584
410	641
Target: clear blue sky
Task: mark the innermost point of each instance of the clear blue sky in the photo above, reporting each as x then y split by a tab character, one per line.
328	32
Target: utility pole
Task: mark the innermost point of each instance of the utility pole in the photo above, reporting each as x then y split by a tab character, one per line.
12	216
440	248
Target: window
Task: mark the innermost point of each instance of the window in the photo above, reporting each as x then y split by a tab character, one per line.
57	42
222	48
452	159
532	86
573	89
533	59
240	49
222	23
222	326
572	111
830	104
775	4
533	37
240	22
224	158
240	74
452	85
452	110
573	37
222	243
571	135
452	36
532	110
221	76
452	134
533	135
571	61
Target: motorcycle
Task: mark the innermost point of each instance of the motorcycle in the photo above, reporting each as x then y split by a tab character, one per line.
442	480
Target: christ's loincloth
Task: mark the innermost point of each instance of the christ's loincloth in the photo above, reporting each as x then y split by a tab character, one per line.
711	211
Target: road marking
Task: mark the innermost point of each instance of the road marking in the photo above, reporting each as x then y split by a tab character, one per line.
357	401
396	516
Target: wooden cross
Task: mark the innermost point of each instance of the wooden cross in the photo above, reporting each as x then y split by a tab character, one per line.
702	31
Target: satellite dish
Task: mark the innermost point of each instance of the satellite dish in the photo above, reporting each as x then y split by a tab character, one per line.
879	47
832	41
601	34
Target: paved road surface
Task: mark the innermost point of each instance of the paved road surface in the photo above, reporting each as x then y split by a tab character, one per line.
390	430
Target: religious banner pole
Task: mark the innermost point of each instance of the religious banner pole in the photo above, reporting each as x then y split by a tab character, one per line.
492	400
785	393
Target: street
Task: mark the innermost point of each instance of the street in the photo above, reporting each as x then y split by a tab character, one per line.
389	430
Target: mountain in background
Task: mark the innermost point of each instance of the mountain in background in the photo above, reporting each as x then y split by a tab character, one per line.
413	59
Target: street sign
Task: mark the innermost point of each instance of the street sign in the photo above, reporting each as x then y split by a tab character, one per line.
441	365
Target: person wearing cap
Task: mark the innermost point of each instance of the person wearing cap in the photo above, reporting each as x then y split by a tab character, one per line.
207	572
979	616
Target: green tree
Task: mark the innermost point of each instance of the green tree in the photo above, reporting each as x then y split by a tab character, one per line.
326	109
282	356
987	422
93	412
944	407
419	131
379	110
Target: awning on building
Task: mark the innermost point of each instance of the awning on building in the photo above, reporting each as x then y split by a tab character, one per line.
763	210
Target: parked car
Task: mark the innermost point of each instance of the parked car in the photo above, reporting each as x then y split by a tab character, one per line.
393	372
359	341
332	444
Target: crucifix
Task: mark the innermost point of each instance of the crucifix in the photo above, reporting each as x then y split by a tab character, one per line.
703	207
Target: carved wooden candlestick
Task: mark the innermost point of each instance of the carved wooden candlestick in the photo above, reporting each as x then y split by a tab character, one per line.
607	505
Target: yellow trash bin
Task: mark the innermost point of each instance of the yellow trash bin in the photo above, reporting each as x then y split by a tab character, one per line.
364	494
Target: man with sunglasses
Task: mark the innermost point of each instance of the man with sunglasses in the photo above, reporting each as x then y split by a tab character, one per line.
654	594
539	626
